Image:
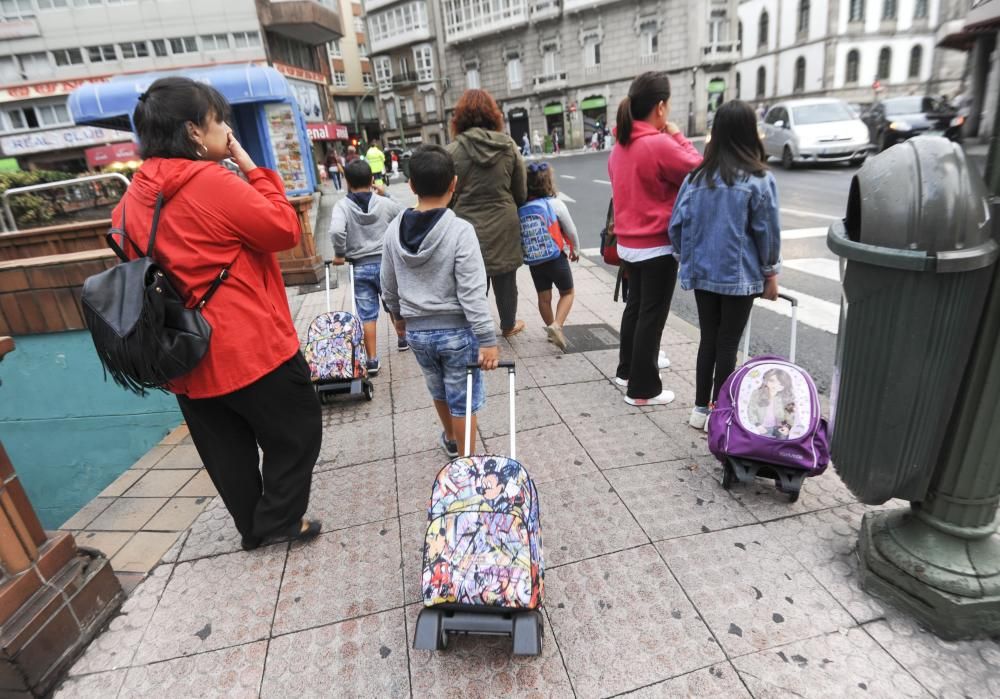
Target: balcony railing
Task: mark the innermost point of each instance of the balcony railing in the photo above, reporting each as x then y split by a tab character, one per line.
544	9
575	5
410	36
308	21
553	81
725	52
410	120
465	23
407	78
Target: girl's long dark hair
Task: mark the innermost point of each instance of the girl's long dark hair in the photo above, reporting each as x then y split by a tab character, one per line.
645	92
735	150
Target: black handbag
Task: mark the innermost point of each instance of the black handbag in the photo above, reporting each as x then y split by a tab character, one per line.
144	335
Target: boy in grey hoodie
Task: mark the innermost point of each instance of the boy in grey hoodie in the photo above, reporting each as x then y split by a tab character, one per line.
358	228
434	283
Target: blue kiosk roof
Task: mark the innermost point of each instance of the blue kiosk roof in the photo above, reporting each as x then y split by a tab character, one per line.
111	104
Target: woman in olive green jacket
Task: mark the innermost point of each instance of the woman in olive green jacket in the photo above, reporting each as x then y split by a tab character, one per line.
492	183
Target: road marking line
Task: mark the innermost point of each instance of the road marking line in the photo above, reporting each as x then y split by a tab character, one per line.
568	177
797	233
814	312
565	197
816	266
811	214
602	182
590	251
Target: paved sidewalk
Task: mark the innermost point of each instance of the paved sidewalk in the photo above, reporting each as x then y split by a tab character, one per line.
657	580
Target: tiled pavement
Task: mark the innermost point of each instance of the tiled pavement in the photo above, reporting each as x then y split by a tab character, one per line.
658	582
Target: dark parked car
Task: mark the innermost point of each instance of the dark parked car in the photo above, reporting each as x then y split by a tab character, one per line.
896	119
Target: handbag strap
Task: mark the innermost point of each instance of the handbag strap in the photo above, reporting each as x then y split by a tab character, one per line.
155	225
113	244
216	283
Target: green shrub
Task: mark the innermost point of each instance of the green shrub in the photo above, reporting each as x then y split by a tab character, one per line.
35	209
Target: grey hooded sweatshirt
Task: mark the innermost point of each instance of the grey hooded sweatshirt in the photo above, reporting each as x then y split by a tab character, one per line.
358	230
433	274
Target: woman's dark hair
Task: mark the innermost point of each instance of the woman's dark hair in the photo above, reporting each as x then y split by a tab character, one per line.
164	110
541	181
735	150
476	108
645	92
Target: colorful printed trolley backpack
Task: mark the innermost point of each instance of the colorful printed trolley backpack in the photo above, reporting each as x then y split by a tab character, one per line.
484	544
334	349
541	235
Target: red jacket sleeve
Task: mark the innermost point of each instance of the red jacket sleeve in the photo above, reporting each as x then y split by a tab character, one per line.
259	212
681	159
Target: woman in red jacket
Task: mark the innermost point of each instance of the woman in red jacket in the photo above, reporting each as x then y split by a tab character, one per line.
646	167
252	387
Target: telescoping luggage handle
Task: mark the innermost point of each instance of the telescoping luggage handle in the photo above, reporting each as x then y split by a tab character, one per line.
795	329
350	277
469	368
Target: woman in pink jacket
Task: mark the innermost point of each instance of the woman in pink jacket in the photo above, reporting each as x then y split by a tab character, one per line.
647	167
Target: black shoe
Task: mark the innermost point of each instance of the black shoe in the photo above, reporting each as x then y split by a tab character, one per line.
450	448
312	529
402	345
249	543
374	366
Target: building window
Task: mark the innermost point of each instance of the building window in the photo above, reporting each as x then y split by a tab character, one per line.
800	74
884	63
916	57
183	44
851	77
649	41
215	42
9	70
423	61
761	82
52	115
363	50
592	51
762	30
52	4
920	9
718	28
803	17
550	59
430	102
339	78
739	36
739	82
16	9
344	110
383	72
367	80
159	47
101	54
390	114
515	73
335	49
888	9
404	69
359	25
402	19
857	11
67	57
35	65
245	40
472	78
134	49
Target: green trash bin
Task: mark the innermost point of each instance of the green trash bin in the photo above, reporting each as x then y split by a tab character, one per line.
917	247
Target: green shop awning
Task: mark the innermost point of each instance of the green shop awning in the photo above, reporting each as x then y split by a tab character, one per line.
552	109
593	103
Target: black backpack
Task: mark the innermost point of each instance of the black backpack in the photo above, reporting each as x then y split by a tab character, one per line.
144	335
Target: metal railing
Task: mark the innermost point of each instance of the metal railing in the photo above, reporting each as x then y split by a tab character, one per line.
7	222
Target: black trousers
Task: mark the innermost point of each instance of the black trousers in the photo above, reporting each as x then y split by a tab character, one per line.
281	413
505	292
650	290
722	320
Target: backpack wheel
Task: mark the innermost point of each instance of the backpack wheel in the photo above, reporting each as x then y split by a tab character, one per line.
793	496
527	634
727	476
369	390
430	633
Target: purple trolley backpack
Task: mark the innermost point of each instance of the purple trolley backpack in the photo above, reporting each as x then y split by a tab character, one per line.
767	422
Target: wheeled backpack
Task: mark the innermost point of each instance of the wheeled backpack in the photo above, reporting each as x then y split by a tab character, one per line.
541	235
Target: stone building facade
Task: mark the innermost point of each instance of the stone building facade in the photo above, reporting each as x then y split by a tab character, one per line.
352	78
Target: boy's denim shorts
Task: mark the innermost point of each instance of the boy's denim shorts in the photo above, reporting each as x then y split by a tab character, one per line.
442	356
368	290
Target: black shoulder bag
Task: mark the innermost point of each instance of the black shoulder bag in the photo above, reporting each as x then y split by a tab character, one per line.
144	335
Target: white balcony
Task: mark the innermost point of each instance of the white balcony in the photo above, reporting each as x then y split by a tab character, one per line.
468	19
720	53
577	5
544	9
377	4
553	81
411	36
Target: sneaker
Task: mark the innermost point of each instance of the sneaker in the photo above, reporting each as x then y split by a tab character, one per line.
518	327
374	366
663	399
450	448
699	417
662	362
556	336
624	382
402	345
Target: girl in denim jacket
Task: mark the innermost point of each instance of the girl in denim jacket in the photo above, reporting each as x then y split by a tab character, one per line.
726	233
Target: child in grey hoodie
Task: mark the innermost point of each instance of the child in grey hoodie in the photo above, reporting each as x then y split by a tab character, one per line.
434	282
358	228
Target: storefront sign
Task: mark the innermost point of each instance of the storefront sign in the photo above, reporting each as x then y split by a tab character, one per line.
59	139
326	132
307	95
49	89
519	114
102	156
300	73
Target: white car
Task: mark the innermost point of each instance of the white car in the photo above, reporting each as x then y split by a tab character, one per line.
815	131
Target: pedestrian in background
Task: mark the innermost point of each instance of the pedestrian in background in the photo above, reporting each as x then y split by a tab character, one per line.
726	231
376	161
352	155
252	387
491	185
525	145
647	167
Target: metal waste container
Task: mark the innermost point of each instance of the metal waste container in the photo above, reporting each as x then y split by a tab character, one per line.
917	248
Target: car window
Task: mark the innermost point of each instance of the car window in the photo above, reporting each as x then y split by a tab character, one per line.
772	115
821	113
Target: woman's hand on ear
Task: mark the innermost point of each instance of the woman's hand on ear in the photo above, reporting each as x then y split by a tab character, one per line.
671	128
239	155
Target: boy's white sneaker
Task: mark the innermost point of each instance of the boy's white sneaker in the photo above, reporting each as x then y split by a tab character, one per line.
556	336
663	399
662	362
699	418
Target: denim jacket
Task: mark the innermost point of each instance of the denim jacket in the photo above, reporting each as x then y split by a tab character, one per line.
728	238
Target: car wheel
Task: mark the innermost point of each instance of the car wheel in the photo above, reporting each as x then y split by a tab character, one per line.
787	161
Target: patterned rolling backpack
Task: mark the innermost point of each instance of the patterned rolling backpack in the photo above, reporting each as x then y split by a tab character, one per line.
335	349
541	235
483	566
767	421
